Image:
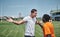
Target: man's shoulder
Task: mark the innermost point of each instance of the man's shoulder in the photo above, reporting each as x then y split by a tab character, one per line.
26	17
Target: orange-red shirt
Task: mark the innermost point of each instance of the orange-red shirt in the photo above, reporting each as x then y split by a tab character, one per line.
48	29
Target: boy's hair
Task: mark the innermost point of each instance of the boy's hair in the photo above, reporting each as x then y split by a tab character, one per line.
33	10
46	18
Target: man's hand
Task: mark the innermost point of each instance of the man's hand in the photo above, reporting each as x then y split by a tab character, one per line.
9	19
39	23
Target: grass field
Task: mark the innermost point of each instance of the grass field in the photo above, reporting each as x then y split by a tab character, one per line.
11	30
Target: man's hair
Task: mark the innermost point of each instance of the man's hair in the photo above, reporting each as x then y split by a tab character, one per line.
46	18
33	10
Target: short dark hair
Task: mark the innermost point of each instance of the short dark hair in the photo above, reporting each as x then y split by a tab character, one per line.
46	18
33	10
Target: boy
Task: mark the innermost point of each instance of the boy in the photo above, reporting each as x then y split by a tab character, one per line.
48	29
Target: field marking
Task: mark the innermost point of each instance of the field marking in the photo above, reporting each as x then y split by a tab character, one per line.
9	33
4	30
19	30
23	31
38	33
39	29
16	31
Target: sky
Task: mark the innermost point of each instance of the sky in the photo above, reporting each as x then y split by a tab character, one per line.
14	7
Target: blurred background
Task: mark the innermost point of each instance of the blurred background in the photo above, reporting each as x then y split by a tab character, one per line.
18	9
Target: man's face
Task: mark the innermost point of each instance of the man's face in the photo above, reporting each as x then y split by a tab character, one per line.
34	14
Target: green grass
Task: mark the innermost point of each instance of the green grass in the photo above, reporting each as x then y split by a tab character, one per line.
11	30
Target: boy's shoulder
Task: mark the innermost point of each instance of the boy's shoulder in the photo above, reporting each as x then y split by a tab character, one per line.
49	24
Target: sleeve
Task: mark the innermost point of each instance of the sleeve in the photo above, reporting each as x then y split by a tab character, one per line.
47	30
25	19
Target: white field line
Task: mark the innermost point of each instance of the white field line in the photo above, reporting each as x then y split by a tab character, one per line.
9	33
20	30
23	31
38	29
38	33
4	30
16	33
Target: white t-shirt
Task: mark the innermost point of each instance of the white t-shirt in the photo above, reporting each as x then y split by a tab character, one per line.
30	26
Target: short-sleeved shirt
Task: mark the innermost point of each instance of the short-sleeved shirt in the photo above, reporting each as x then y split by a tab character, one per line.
48	29
30	25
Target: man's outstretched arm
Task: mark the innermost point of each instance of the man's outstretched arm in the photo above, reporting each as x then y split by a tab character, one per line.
15	22
18	22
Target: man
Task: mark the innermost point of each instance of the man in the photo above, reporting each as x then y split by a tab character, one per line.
30	23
